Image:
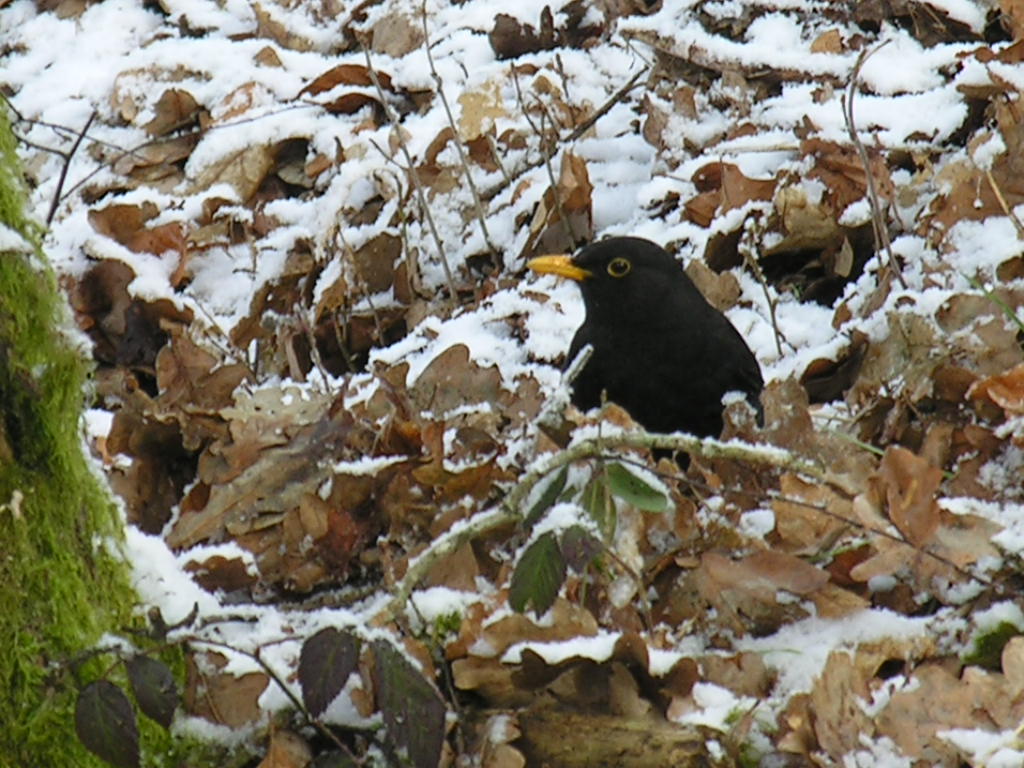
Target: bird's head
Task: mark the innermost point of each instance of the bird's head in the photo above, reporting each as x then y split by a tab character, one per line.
625	275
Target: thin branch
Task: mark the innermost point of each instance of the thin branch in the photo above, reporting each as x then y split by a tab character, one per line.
559	207
480	213
576	133
882	241
1003	204
421	196
493	145
616	97
751	256
65	167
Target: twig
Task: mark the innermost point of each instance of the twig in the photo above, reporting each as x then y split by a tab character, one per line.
546	154
576	133
421	196
550	412
497	157
603	109
134	151
65	167
882	241
1003	204
480	213
750	255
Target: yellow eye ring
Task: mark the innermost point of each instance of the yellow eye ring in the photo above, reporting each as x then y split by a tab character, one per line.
619	267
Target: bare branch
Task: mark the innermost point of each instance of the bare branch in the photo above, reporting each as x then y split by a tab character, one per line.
882	241
66	166
421	196
480	213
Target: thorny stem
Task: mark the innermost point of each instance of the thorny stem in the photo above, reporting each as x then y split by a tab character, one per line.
510	509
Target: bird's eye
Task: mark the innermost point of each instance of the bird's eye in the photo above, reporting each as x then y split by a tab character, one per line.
619	267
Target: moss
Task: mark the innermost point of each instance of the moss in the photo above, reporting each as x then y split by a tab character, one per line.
62	582
987	649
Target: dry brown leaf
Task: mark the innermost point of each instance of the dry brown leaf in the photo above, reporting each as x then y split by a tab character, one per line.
1012	663
835	707
286	750
374	262
222	698
244	169
480	108
191	379
564	216
909	486
936	701
1005	390
511	38
749	587
260	494
491	680
842	172
801	528
829	41
1013	17
744	674
270	26
221	573
175	109
452	380
806	224
834	602
976	193
396	34
723	187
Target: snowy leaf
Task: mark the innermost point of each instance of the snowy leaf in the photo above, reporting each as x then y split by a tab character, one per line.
629	487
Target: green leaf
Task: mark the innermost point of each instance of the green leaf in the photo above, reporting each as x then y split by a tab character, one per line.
412	709
105	724
325	663
547	499
633	490
597	500
154	688
538	576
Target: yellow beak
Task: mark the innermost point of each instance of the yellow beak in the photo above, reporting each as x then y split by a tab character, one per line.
560	265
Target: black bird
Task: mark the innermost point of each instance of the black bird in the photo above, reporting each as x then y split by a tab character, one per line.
660	350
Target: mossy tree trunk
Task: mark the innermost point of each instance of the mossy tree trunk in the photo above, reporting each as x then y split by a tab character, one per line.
62	584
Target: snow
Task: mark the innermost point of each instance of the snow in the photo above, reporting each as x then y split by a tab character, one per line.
598	647
798	652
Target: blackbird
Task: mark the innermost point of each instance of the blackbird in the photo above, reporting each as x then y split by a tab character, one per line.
659	349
